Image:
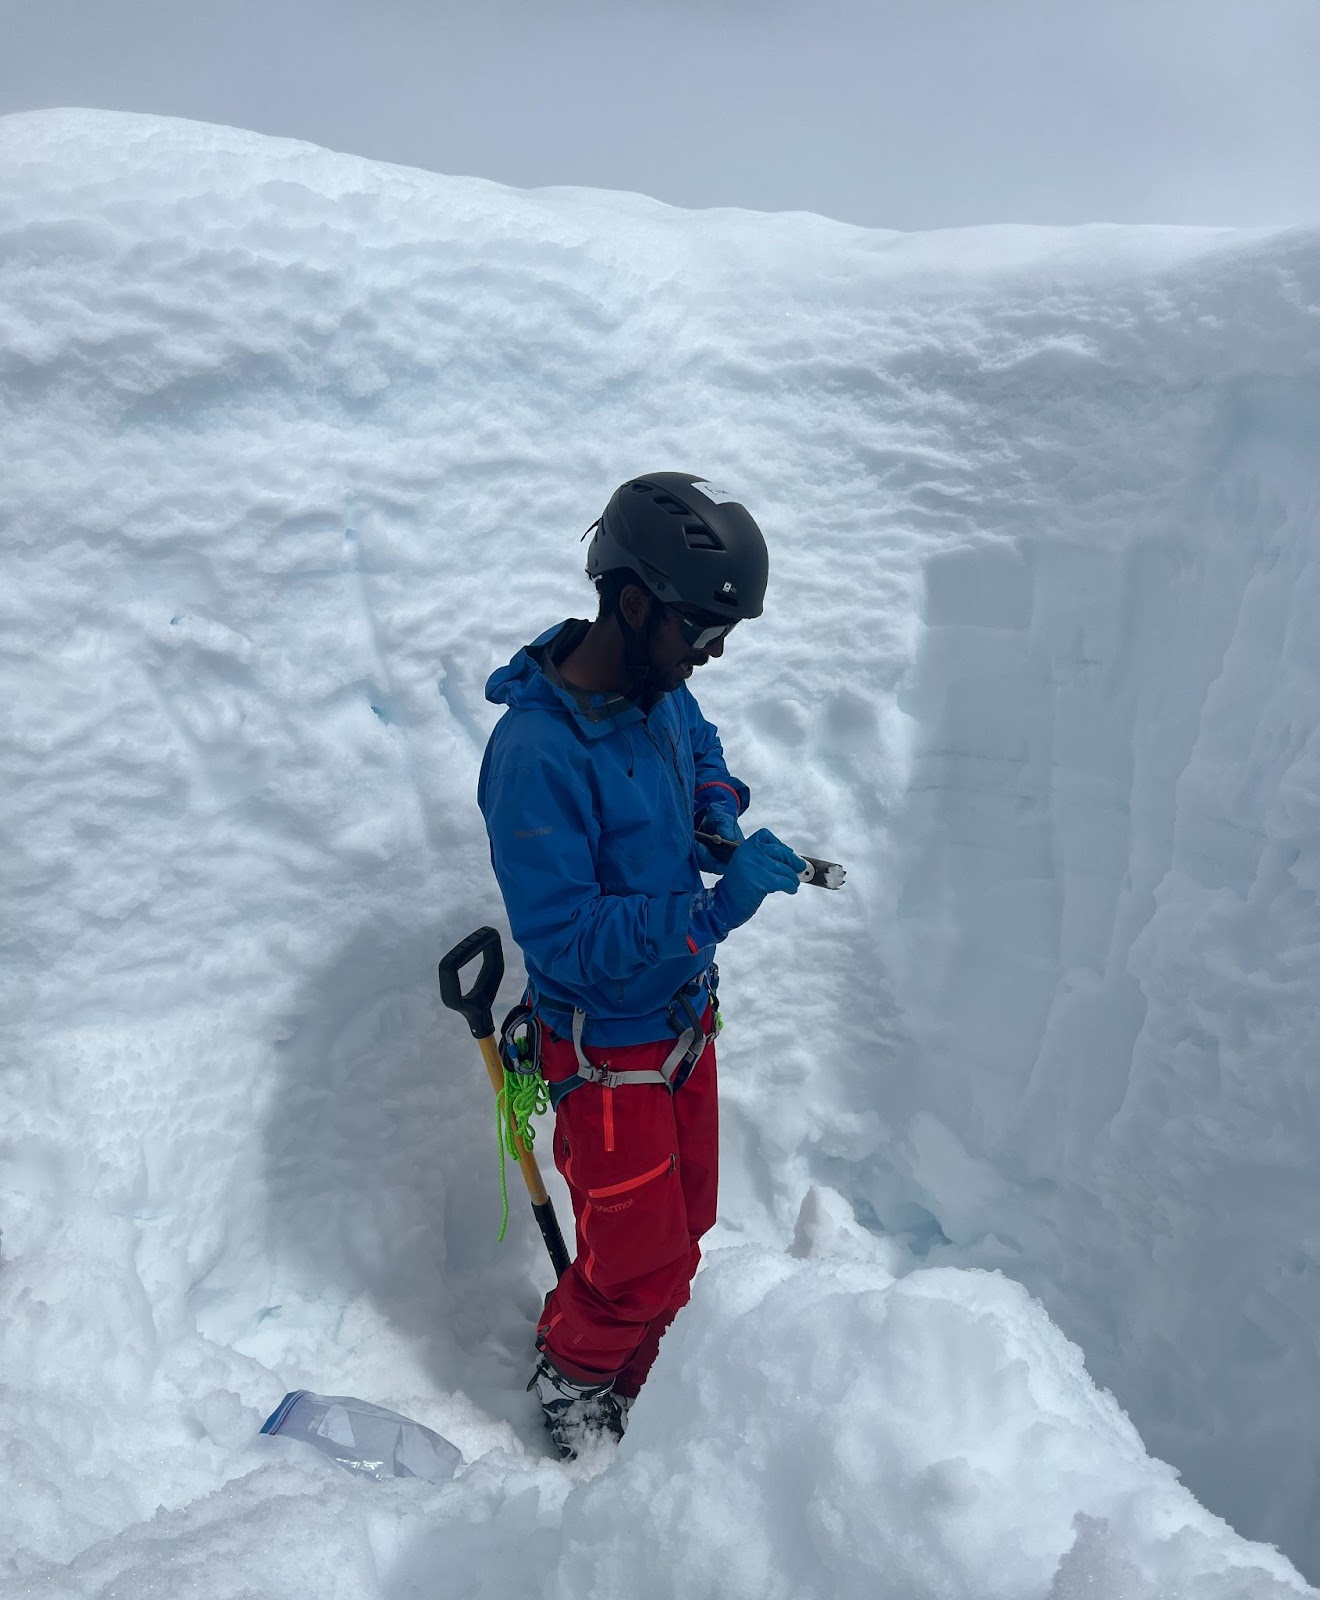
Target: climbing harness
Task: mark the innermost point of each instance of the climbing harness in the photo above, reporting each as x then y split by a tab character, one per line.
524	1093
674	1071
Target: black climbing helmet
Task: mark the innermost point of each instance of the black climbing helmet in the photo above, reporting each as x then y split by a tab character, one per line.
690	543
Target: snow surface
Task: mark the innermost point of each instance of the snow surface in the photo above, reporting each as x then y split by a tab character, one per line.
296	449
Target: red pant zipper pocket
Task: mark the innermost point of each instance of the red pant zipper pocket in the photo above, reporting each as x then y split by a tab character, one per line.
667	1165
610	1192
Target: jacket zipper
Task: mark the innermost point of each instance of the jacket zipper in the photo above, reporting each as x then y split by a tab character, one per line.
670	764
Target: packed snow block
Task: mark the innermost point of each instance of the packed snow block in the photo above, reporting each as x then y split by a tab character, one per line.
816	1429
989	586
281	1532
364	1438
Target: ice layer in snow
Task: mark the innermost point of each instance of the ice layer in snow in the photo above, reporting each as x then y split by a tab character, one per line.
296	449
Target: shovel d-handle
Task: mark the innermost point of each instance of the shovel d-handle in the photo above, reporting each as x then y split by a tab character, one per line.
475	1008
475	1005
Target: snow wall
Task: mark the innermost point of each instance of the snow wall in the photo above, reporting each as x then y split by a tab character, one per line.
296	448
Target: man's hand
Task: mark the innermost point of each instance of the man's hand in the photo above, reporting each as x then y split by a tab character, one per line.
762	865
722	823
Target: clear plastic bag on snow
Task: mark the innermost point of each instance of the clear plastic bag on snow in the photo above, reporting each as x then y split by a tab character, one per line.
364	1438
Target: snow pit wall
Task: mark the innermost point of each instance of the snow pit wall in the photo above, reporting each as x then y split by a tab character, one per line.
1106	928
1053	493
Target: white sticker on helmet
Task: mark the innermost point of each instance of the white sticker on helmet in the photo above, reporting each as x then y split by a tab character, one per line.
719	496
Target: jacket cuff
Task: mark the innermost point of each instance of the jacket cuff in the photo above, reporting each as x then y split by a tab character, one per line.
707	926
732	795
684	924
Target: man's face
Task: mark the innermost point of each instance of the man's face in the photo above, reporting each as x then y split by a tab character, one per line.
673	659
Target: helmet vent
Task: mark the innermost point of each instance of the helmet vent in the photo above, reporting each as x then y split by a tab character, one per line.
699	537
675	508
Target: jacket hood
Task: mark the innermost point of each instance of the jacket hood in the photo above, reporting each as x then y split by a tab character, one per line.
531	681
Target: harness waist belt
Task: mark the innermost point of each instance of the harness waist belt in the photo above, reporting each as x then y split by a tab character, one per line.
673	1071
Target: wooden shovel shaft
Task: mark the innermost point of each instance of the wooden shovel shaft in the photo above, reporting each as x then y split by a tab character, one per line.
490	1054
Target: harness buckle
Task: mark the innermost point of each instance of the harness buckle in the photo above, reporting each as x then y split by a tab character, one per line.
598	1072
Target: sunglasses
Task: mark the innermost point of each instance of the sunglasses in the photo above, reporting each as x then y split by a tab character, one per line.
699	630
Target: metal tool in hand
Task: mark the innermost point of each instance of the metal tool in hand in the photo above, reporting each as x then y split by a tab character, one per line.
824	874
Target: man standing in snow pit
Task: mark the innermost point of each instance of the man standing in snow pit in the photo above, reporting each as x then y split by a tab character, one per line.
594	785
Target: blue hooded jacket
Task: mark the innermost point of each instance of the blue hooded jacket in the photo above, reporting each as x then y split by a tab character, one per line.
590	806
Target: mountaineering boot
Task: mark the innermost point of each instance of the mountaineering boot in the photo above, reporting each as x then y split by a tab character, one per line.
576	1412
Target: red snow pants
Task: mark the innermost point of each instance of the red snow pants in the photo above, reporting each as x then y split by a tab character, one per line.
642	1167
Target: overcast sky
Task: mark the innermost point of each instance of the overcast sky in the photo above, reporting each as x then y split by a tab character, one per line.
892	113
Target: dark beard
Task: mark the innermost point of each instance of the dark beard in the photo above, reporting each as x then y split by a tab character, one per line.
646	686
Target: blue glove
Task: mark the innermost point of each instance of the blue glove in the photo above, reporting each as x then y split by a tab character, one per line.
719	821
761	866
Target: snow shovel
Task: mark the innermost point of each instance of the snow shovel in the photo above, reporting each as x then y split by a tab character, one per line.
475	1006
